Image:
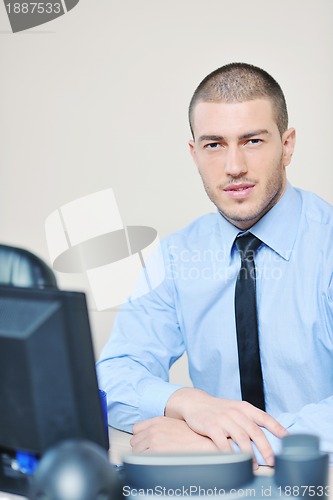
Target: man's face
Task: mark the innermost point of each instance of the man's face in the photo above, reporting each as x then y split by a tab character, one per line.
241	157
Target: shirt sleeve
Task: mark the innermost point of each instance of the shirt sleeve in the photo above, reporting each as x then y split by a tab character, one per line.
134	365
311	419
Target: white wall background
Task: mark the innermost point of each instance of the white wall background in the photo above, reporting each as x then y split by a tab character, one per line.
98	98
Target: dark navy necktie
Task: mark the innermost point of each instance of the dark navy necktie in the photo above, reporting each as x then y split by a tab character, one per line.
247	323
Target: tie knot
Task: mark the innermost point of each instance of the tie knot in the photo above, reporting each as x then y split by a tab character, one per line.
247	245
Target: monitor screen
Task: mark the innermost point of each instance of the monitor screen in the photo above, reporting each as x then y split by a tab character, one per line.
48	388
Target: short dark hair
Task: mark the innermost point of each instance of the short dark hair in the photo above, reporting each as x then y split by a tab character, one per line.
239	82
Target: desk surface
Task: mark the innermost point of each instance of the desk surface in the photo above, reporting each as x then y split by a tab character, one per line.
120	446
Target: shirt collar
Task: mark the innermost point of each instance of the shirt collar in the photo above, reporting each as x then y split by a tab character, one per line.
228	232
277	229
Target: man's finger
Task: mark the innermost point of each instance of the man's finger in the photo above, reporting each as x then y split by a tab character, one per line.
145	424
268	422
264	420
139	443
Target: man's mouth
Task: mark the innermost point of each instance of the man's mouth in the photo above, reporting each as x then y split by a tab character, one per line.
239	191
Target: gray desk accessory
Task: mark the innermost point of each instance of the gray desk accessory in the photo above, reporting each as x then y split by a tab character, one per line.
301	471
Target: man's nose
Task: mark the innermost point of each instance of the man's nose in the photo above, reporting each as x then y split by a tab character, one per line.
234	162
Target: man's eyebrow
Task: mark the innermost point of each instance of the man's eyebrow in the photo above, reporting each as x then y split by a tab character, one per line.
218	138
210	138
254	133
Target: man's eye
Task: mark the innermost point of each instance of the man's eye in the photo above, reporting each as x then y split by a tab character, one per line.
254	141
212	145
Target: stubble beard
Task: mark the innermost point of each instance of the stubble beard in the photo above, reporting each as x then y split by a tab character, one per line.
273	192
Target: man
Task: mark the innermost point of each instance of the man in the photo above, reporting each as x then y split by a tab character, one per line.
241	145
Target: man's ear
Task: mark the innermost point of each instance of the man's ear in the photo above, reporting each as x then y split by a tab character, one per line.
288	144
191	144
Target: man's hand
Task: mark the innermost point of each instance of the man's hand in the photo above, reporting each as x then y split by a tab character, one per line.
168	435
222	419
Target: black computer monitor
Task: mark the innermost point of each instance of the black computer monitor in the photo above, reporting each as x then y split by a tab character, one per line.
48	383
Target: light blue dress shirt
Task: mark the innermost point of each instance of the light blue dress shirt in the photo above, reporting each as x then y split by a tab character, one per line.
193	310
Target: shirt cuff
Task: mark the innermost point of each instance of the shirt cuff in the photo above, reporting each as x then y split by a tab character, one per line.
154	397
